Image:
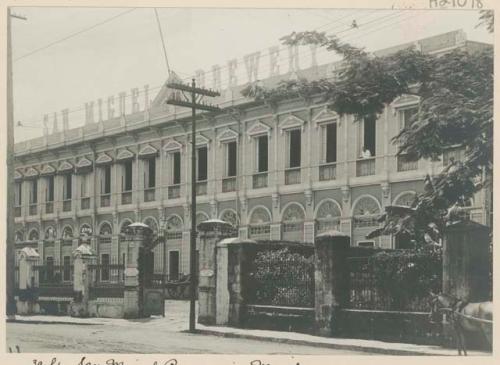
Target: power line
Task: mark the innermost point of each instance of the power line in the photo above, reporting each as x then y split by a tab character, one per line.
75	34
162	40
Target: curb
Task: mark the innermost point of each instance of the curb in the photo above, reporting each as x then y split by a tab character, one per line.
36	321
369	349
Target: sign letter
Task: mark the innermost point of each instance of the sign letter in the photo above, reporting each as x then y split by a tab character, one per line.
274	53
122	97
89	112
135	100
111	109
200	78
65	119
231	69
216	77
293	58
252	66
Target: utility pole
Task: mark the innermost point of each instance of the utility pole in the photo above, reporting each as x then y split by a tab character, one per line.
195	92
11	257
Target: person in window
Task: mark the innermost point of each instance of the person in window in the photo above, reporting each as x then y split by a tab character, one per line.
366	153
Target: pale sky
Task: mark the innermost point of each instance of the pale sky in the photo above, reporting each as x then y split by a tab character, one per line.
126	52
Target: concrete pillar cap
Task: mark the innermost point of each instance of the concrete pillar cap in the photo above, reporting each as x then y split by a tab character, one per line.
234	240
29	253
84	250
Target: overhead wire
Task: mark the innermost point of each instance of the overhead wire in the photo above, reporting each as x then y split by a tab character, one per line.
74	34
357	36
162	40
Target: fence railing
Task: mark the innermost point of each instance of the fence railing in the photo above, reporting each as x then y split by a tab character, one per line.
201	188
259	180
149	195
365	167
126	197
281	276
366	292
85	203
105	200
292	176
67	205
406	164
33	209
327	172
228	184
174	191
49	207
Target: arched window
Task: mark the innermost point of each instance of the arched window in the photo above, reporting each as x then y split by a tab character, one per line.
366	213
406	199
50	233
19	236
34	236
67	233
174	228
328	216
293	223
259	224
105	235
230	216
124	225
151	223
201	217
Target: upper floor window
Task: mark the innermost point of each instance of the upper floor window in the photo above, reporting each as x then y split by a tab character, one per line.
34	191
149	173
67	187
106	179
368	137
262	153
127	176
406	117
49	192
175	168
231	158
202	160
19	194
294	147
329	142
84	185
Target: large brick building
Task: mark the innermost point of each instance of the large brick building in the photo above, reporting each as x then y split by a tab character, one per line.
285	171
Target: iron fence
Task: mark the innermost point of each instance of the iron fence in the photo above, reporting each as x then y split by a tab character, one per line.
366	291
281	275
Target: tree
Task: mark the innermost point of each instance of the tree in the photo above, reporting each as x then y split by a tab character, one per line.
455	90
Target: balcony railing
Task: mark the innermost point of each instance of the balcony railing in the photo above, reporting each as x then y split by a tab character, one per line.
328	172
174	191
149	195
292	176
454	154
365	167
17	211
201	188
49	207
33	210
126	197
66	205
260	180
228	184
105	200
85	203
406	164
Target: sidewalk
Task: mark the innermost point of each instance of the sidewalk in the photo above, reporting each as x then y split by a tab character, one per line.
172	325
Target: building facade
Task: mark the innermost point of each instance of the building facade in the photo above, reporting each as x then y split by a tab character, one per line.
284	171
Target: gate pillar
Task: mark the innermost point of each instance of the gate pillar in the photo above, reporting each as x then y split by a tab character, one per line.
331	279
211	233
28	283
138	234
467	261
82	256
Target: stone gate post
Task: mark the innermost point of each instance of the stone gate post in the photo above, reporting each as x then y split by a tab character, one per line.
28	282
82	257
137	235
211	233
466	261
331	279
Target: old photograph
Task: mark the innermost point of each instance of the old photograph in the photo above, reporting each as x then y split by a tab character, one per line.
309	181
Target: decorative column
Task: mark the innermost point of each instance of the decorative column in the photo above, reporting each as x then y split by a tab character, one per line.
345	221
137	235
331	280
211	233
82	256
28	282
276	224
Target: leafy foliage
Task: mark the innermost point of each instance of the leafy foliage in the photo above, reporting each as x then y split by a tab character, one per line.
455	90
405	275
